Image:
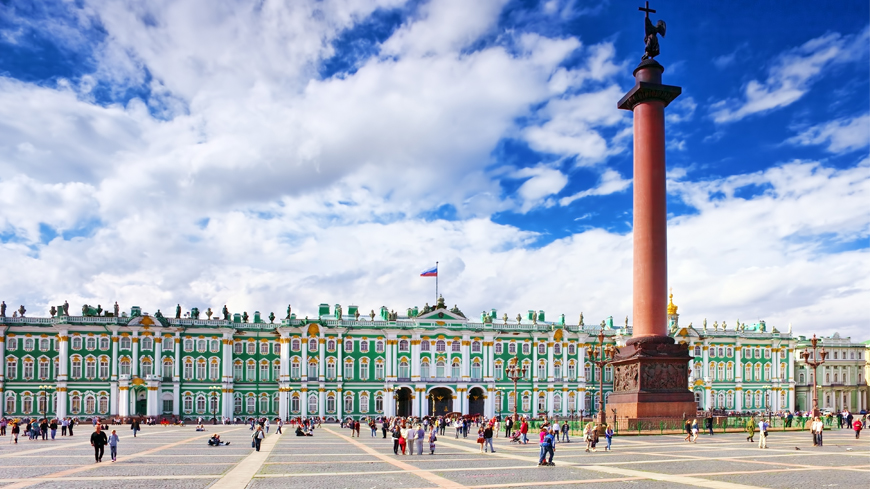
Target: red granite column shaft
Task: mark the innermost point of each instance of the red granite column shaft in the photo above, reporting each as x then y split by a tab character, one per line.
650	221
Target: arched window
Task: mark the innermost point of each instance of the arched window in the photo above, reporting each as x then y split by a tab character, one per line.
44	369
364	369
475	346
439	369
456	371
572	402
379	402
147	343
10	403
747	399
542	348
312	344
28	369
557	348
264	348
294	403
455	346
294	344
276	370
214	402
214	370
216	346
557	403
720	373
404	370
11	370
587	371
295	368
729	371
103	405
238	348
264	404
43	344
440	346
379	346
720	400
200	404
572	371
758	372
424	368
747	372
251	404
330	403
475	370
542	369
330	369
124	365
330	345
348	403
729	400
767	372
527	402
512	348
527	365
424	345
188	347
511	402
201	368
167	368
75	344
527	348
104	343
348	345
104	367
76	367
348	369
499	370
187	403
697	350
364	402
498	348
251	371
312	369
403	345
312	404
188	369
557	370
364	346
90	404
75	403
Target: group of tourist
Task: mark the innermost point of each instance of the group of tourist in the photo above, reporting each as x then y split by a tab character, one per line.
37	429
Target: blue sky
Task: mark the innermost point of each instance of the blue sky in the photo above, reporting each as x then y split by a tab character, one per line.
211	152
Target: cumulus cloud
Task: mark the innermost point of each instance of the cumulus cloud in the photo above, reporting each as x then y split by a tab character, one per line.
611	182
792	74
839	135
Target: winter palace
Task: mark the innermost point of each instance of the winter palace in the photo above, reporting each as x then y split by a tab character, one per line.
431	360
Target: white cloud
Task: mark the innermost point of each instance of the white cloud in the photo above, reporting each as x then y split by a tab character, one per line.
611	182
544	182
840	135
792	74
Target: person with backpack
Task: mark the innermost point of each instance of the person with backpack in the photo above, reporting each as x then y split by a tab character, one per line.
548	447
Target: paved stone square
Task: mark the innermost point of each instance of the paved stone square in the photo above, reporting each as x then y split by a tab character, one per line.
179	458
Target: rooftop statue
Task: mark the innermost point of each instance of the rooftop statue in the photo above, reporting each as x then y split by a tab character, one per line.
338	312
3	309
21	310
99	310
271	317
440	304
289	310
157	314
371	315
65	308
650	39
52	311
245	317
519	318
505	318
117	309
581	319
356	314
209	312
226	313
178	311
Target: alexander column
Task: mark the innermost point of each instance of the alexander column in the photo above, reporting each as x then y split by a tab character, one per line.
651	371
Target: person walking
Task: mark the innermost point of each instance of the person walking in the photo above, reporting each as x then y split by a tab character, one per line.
53	427
113	445
608	433
548	447
99	441
524	431
688	427
565	429
356	427
458	426
411	439
762	433
266	425
257	437
15	431
695	430
396	436
750	430
432	439
43	428
857	425
587	436
487	439
421	433
134	425
280	425
63	425
72	423
507	426
709	421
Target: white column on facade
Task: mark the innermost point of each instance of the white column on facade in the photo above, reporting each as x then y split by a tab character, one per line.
305	364
708	397
176	396
176	366
158	356
415	402
534	405
388	359
123	400
464	399
321	402
339	365
63	363
115	355
534	372
303	399
581	400
321	362
565	361
227	357
466	357
550	395
550	345
415	358
339	402
564	395
134	362
738	363
706	357
581	363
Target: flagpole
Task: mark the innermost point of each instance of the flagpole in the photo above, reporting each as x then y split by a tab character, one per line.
436	282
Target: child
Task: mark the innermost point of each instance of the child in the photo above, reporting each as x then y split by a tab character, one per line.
113	445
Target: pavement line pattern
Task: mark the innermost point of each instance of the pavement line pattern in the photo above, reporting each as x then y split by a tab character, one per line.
677	479
68	472
240	476
424	474
64	447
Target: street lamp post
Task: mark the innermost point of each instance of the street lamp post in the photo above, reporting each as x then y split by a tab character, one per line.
498	397
601	355
515	373
43	391
813	358
213	390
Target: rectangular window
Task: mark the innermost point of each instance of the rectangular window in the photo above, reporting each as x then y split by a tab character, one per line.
364	371
264	348
188	370
379	371
364	347
264	371
11	344
167	406
238	347
348	370
252	348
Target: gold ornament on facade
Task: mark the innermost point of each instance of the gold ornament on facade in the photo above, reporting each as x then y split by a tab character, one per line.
672	308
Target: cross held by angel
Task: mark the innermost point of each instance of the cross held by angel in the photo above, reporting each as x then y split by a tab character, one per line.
651	32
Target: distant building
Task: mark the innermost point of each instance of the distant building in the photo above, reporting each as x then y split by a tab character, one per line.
340	364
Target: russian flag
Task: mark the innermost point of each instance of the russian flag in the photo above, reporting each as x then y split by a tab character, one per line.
431	272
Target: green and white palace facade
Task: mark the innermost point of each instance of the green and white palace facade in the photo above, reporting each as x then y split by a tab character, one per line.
433	360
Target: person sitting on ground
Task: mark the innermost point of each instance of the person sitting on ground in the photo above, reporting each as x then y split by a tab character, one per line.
215	441
200	427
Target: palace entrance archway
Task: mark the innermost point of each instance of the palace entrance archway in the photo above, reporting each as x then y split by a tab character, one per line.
403	401
440	401
475	401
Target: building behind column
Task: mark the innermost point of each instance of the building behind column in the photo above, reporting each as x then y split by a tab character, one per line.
426	361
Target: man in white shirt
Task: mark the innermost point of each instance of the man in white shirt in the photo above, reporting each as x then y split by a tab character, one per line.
817	428
762	431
